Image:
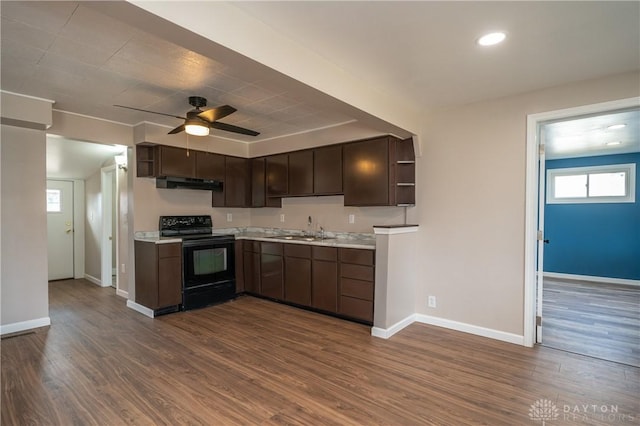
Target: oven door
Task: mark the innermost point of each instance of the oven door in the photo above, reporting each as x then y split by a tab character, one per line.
207	261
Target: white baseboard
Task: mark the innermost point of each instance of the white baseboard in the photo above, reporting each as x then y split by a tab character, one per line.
122	293
93	279
24	325
591	278
385	333
139	308
470	328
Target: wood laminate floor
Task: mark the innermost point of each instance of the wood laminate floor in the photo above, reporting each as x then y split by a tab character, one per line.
251	361
594	319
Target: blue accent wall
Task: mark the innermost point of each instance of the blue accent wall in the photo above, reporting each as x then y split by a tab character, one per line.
601	240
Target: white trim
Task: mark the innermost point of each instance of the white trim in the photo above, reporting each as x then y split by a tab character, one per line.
394	231
92	117
531	193
17	327
122	293
93	279
330	126
139	308
28	96
385	333
591	278
107	176
470	328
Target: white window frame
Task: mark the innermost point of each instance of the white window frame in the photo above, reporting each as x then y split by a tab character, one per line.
630	184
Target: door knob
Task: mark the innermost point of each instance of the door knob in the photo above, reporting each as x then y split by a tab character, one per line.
68	230
110	238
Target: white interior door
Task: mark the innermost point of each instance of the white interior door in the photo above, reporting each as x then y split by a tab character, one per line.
60	229
541	239
106	190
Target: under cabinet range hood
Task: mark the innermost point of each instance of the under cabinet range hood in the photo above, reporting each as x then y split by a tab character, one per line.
189	183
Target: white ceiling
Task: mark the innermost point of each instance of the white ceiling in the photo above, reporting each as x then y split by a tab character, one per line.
424	52
589	136
72	159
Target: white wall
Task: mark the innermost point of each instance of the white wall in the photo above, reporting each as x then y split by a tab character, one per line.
24	288
471	190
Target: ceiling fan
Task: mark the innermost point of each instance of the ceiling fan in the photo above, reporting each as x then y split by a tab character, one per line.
198	121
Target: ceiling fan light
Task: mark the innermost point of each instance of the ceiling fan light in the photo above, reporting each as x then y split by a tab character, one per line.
196	128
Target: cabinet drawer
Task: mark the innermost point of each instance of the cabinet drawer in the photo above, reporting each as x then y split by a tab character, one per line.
271	248
357	272
324	253
169	250
356	308
357	256
297	250
356	288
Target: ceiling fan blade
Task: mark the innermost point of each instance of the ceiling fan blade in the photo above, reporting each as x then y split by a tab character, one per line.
152	112
177	130
214	114
232	128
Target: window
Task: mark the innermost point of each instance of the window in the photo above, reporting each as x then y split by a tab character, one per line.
54	200
595	184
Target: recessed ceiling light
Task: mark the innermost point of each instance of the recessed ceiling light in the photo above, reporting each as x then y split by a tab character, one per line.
613	143
616	126
491	39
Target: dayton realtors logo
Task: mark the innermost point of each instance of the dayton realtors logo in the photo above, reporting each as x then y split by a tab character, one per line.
543	411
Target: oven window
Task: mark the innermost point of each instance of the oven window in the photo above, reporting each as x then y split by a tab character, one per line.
209	261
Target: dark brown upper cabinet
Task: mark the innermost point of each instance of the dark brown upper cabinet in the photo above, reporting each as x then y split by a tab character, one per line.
371	172
277	175
258	184
301	173
209	165
161	160
327	170
176	162
236	190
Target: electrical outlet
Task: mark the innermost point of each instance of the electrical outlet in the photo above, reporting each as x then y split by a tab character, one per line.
229	217
352	218
282	218
432	301
122	268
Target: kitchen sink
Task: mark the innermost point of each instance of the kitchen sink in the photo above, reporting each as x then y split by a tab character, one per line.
298	238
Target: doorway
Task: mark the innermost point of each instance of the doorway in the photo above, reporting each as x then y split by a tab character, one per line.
536	238
60	229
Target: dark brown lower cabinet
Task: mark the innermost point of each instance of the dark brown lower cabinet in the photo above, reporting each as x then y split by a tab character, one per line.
239	259
334	280
271	270
324	290
297	274
158	274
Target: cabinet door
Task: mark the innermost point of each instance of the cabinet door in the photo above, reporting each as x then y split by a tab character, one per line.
251	265
169	281
146	260
271	270
327	170
277	175
297	281
258	186
301	173
175	162
324	284
237	183
209	166
366	173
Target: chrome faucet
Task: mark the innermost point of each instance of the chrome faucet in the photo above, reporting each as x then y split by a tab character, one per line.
321	233
309	227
